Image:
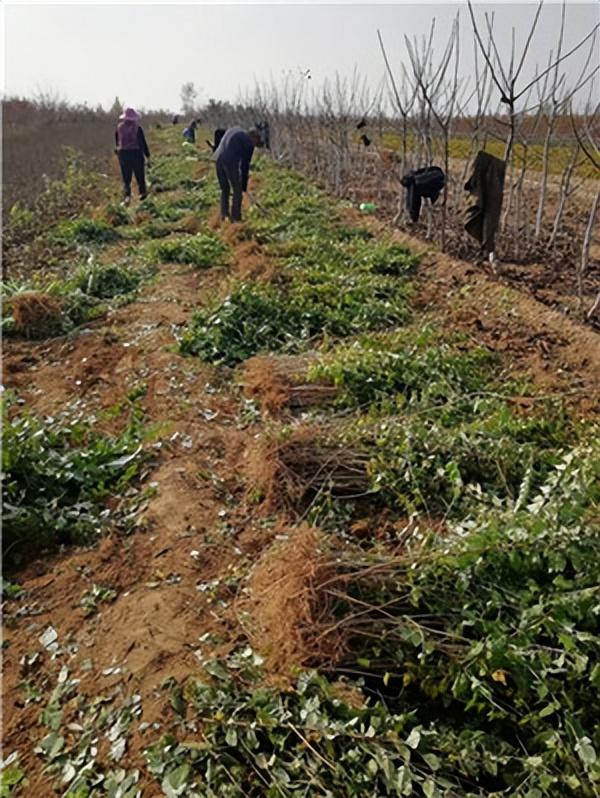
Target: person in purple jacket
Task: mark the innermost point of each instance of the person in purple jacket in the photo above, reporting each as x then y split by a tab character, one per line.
232	160
131	149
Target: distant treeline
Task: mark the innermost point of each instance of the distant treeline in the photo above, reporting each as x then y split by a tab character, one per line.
36	134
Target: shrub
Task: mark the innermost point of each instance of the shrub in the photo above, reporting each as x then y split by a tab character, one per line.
84	231
106	282
56	474
202	250
256	317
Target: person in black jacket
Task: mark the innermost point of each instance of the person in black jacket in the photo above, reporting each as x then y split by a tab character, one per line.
486	184
131	147
420	184
232	160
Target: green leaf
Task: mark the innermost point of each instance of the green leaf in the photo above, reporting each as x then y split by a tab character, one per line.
231	736
586	751
174	783
413	739
429	789
548	710
433	761
217	669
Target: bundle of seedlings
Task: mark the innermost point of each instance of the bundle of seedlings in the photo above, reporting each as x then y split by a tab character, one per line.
287	468
35	314
433	461
445	465
295	210
169	173
281	381
473	658
56	476
202	250
84	232
415	366
190	224
282	607
316	738
147	228
492	630
105	281
114	214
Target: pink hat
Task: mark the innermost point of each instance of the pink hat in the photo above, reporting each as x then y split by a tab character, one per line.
130	113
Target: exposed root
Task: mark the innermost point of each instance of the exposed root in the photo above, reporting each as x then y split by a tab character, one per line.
214	219
280	382
139	217
234	233
252	264
36	315
288	471
189	224
285	606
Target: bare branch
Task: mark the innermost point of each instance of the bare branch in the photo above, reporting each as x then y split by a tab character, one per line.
574	49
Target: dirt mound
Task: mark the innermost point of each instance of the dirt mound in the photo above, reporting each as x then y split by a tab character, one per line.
36	315
285	606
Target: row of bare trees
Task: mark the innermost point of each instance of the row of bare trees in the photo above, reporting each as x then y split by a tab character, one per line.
543	122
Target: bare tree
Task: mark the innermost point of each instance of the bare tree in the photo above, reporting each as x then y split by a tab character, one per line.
590	148
189	98
506	80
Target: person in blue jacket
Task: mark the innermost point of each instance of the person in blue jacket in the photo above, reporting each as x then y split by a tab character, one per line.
189	134
232	160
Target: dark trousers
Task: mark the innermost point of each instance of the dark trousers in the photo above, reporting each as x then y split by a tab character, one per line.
132	163
230	181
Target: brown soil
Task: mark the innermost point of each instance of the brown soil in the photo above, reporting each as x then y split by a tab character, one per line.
152	629
557	353
204	518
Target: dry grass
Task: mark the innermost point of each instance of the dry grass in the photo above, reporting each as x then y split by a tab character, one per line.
36	314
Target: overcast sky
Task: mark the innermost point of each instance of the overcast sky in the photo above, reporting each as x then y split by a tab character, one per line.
143	53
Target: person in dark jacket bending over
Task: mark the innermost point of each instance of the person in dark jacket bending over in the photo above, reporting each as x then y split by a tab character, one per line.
232	159
131	149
